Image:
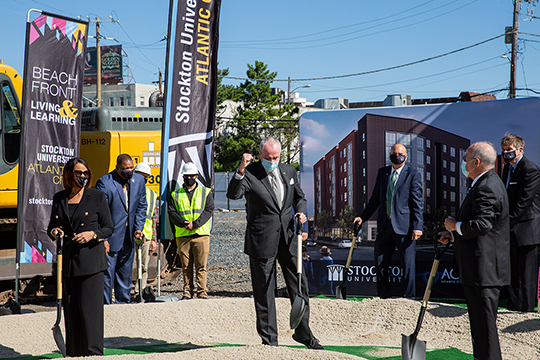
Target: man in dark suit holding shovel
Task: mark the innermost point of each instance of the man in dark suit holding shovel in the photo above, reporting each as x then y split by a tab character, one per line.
272	190
482	247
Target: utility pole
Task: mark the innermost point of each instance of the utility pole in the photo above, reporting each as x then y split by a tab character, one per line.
98	62
513	60
289	93
98	56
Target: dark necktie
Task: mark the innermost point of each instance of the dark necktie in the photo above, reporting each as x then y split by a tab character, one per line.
390	193
510	171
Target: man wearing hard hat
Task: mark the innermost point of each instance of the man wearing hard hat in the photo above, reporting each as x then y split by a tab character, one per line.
149	244
190	210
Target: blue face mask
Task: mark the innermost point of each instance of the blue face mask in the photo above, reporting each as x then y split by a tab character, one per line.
270	165
464	168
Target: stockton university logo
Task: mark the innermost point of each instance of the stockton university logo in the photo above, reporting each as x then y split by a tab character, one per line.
335	272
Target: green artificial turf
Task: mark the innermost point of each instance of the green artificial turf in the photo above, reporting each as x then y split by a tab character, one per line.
367	352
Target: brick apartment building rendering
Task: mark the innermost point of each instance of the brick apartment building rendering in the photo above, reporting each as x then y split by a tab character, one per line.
346	175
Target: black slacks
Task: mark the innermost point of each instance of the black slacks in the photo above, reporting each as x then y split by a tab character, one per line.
482	303
263	281
522	291
385	245
83	313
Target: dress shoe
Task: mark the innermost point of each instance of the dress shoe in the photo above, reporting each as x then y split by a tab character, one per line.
185	298
312	344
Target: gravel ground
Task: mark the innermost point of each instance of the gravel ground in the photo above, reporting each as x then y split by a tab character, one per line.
228	266
229	317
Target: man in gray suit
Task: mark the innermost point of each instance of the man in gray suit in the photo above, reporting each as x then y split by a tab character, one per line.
272	190
482	247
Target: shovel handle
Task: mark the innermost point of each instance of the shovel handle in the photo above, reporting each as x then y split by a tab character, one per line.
298	245
59	257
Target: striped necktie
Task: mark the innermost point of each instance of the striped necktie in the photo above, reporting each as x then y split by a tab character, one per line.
126	196
277	186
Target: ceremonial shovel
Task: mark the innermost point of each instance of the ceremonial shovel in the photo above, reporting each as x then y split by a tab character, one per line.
299	305
411	347
57	332
341	292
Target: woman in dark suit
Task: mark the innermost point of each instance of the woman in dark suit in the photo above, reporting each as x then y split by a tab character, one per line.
81	216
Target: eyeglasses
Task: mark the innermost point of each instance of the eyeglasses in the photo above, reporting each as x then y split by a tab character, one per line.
81	173
464	158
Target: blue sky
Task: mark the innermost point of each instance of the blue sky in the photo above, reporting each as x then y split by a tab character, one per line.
313	39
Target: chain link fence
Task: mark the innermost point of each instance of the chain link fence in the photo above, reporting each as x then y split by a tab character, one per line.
221	182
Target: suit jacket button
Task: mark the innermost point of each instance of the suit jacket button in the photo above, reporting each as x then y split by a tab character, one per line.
82	224
57	216
86	213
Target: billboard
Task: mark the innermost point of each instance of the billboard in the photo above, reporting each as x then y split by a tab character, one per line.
111	65
339	166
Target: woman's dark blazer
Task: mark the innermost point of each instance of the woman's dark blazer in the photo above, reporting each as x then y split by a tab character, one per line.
92	214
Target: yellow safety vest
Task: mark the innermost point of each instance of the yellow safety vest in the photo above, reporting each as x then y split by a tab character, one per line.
191	212
151	200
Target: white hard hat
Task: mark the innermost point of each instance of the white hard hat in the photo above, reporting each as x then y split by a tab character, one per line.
143	168
190	169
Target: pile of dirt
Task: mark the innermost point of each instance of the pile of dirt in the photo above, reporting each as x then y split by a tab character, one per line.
232	320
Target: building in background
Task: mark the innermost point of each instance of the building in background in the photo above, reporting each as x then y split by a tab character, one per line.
347	174
119	95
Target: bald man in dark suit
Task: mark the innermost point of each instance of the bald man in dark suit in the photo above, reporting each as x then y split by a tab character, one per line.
482	247
398	196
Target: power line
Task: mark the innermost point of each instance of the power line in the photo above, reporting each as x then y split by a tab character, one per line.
372	71
296	47
335	29
133	42
419	78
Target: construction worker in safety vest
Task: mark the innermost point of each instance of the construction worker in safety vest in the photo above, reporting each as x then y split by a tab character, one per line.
190	210
149	245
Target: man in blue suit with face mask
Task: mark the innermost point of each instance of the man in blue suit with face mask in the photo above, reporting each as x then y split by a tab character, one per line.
126	196
398	196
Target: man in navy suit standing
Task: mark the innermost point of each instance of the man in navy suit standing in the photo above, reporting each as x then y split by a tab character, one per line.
398	195
521	177
126	196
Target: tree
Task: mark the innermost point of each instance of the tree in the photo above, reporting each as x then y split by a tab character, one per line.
345	220
324	221
265	114
258	115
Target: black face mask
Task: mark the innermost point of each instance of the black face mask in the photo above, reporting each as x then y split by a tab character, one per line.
508	156
397	159
82	180
189	181
126	174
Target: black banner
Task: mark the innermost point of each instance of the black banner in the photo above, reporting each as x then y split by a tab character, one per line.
190	94
51	111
